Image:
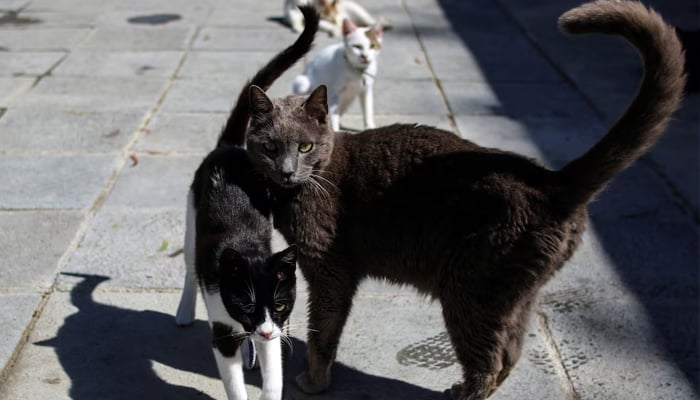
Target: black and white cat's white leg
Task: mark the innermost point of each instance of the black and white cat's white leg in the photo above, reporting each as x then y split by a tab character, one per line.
367	102
186	308
270	356
227	336
333	29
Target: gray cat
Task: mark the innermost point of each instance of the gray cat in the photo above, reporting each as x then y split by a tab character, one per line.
481	230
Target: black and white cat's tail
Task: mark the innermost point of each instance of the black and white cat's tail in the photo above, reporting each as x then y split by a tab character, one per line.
235	129
646	118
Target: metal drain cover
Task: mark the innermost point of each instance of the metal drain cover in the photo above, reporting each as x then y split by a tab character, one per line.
432	353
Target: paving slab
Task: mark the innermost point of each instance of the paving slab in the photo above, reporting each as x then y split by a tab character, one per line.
218	64
165	179
133	247
28	63
214	95
139	38
156	16
16	310
42	39
31	244
53	182
127	63
84	94
607	350
219	38
48	129
516	100
182	132
12	5
12	88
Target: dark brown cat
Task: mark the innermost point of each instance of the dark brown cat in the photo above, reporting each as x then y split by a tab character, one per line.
479	229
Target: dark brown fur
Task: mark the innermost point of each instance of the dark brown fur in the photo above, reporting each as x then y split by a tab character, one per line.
481	230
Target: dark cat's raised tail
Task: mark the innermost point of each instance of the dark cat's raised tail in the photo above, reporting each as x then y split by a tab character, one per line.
237	123
646	118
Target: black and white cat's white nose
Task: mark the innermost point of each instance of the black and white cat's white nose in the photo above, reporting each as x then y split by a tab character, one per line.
266	335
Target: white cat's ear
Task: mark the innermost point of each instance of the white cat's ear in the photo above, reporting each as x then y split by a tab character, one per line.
285	263
348	27
316	106
378	30
260	104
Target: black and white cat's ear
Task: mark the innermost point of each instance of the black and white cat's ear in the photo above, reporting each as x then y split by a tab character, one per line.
348	27
260	104
316	105
285	263
232	261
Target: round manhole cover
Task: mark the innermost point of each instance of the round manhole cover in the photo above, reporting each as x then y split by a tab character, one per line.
433	353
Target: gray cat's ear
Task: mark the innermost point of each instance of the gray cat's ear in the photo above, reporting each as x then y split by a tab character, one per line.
316	105
260	104
285	263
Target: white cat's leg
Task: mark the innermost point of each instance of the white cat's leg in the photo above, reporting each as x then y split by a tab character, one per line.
334	112
329	27
270	356
367	104
357	13
188	301
231	372
301	84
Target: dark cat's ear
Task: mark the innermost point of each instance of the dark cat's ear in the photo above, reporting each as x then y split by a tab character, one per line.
231	261
316	105
284	263
348	27
260	104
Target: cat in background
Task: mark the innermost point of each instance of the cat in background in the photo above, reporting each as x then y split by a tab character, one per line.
348	71
479	229
333	12
249	292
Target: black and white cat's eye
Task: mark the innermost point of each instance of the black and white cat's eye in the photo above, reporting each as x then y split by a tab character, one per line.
270	147
305	147
248	309
279	307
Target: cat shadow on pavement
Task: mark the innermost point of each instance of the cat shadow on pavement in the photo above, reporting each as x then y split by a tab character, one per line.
112	353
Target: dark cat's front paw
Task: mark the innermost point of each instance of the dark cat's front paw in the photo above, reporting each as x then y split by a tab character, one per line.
311	385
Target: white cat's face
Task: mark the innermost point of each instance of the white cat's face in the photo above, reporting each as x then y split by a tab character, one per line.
362	45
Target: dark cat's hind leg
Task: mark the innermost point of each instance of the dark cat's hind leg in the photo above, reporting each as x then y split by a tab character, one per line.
330	299
486	327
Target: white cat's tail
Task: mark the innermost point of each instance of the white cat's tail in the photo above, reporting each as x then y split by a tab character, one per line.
301	85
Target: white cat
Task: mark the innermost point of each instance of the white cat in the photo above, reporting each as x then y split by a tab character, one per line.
332	12
348	70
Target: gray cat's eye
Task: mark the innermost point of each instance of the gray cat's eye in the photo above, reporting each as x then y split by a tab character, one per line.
305	147
270	146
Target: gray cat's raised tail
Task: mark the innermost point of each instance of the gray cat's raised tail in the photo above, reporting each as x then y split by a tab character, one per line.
646	118
234	131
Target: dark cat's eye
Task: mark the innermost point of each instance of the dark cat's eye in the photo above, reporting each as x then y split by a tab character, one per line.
270	147
305	147
279	307
248	309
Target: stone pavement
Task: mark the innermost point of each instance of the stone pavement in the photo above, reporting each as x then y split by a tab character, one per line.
107	107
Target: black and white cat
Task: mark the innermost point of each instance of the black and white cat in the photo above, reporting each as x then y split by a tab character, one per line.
348	70
249	292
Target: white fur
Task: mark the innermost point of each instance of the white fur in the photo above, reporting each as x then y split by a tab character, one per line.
346	77
331	24
185	311
231	368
